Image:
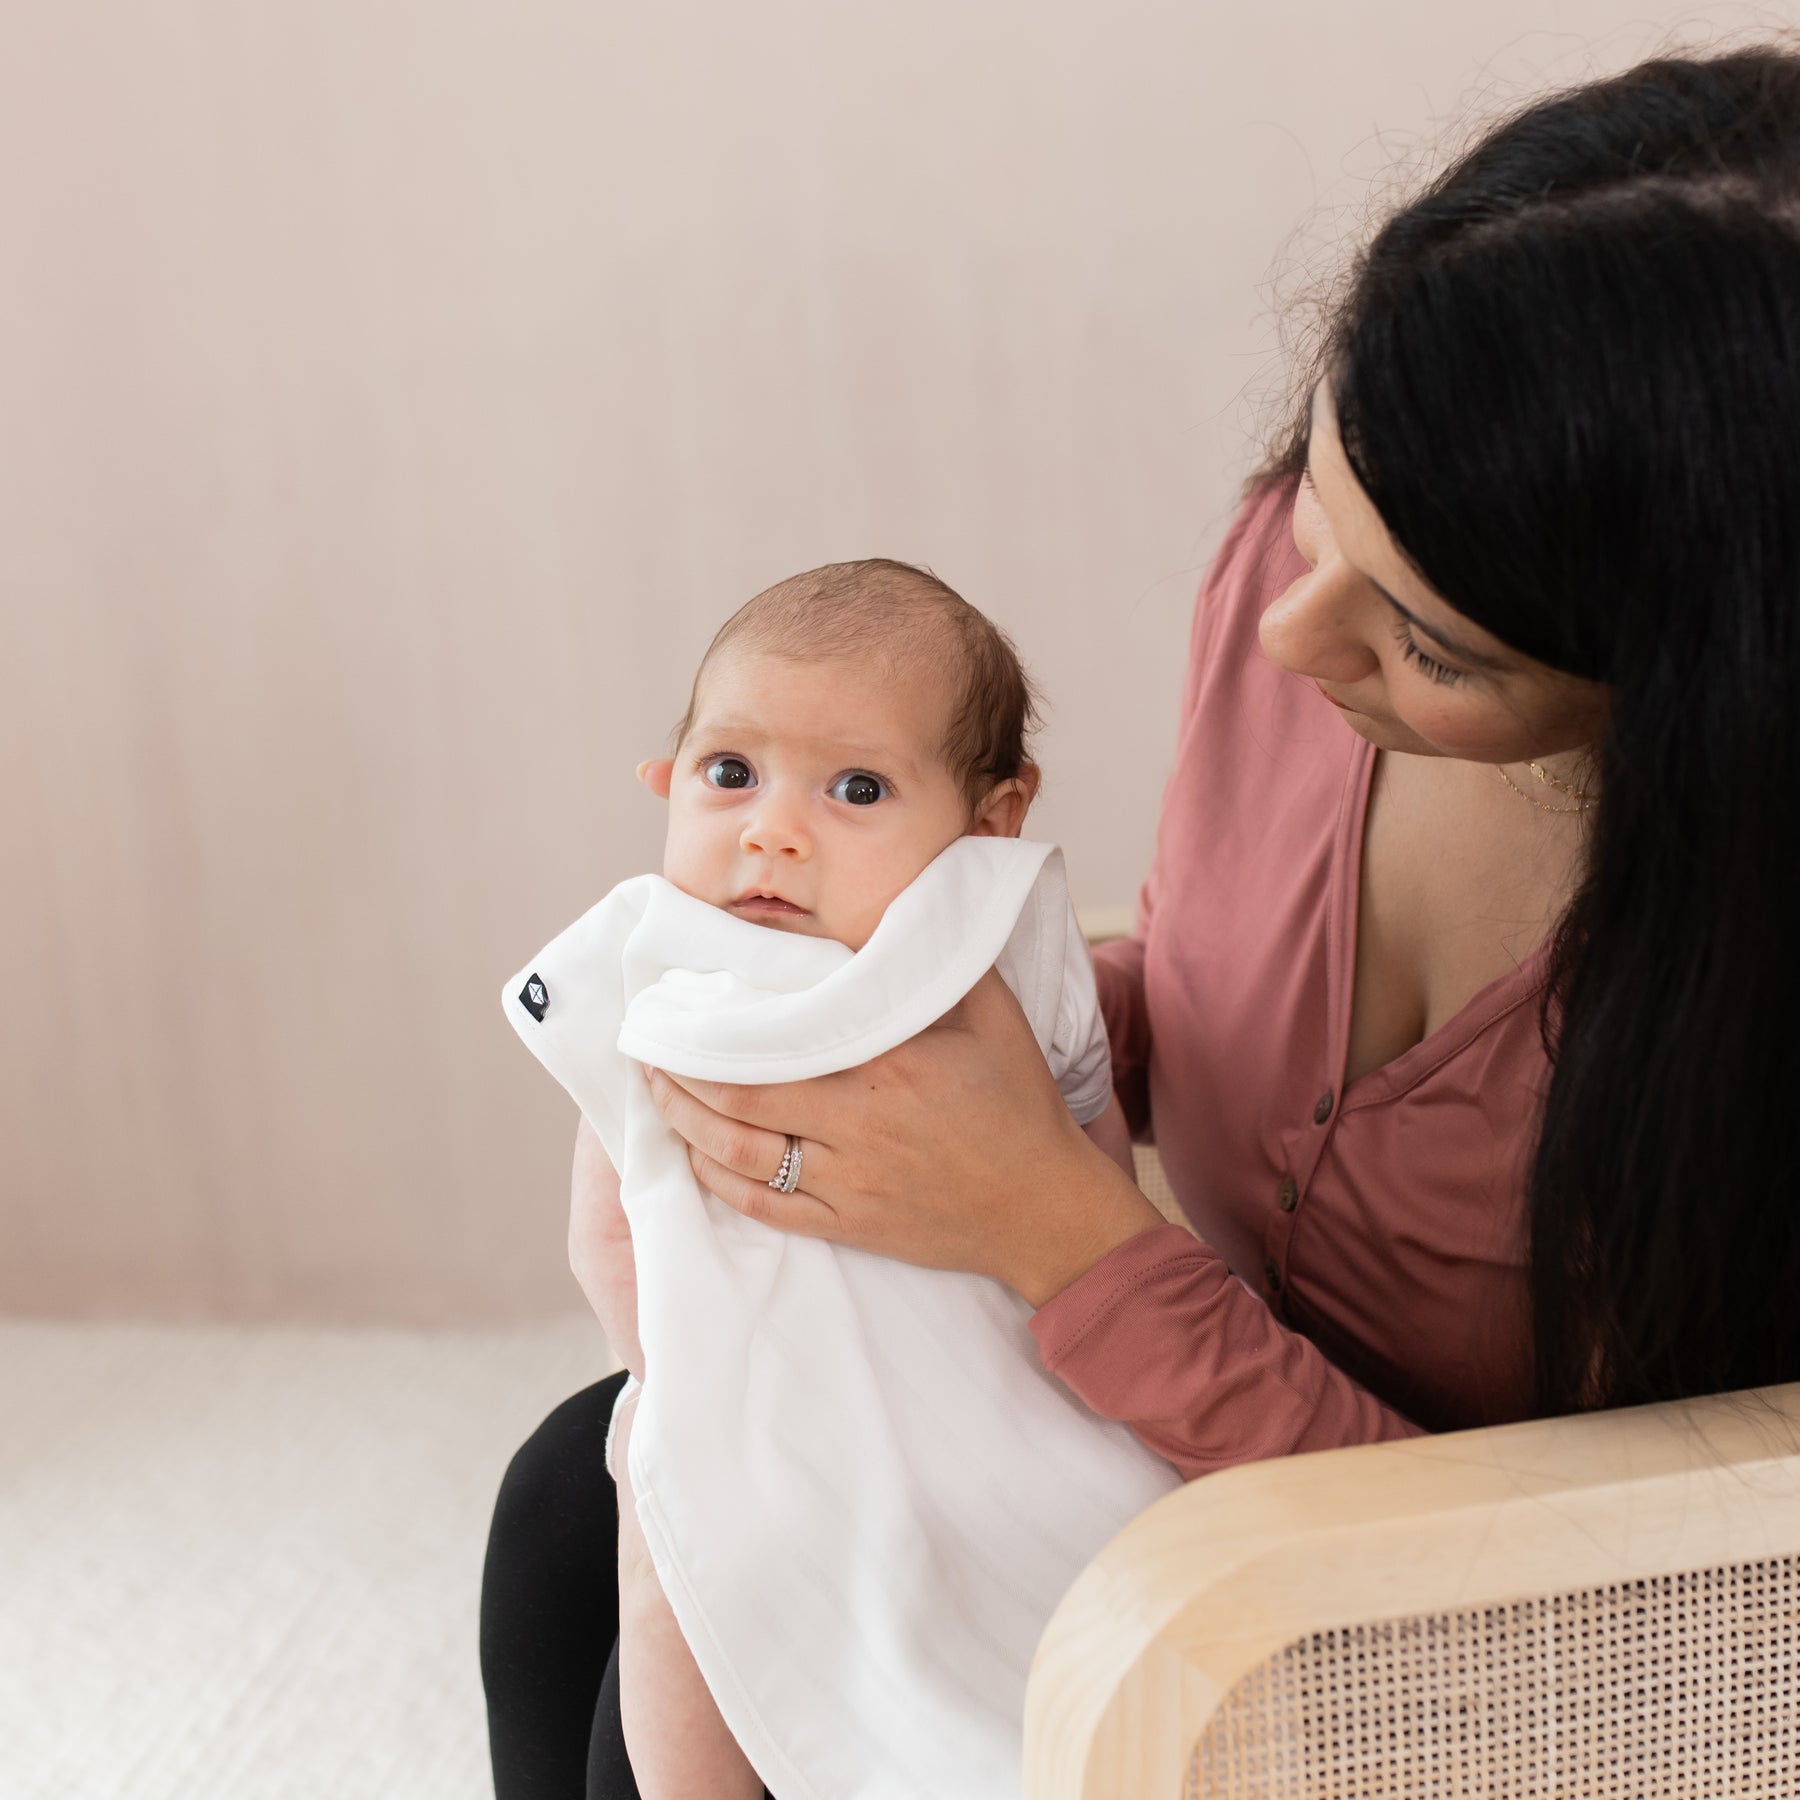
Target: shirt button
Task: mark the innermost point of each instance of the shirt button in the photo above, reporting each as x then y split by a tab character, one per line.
1273	1273
1288	1197
1322	1109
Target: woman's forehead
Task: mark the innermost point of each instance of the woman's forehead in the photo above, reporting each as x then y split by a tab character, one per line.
1362	537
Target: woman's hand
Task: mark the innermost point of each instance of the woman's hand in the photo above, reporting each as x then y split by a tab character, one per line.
954	1151
600	1247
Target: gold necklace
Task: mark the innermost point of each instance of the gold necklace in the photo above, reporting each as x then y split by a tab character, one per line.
1559	784
1583	799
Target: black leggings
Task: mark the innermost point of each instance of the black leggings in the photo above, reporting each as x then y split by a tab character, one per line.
550	1613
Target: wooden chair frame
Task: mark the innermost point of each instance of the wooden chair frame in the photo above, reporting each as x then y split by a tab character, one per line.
1228	1571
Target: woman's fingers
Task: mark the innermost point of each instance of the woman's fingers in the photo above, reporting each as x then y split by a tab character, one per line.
953	1150
747	1149
737	1160
807	1108
735	1100
798	1211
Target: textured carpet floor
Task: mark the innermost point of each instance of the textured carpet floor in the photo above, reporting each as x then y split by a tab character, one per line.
244	1565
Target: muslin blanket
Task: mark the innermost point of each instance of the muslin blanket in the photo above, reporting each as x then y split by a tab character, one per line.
863	1495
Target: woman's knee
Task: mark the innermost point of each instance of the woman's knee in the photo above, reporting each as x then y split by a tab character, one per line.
549	1584
559	1472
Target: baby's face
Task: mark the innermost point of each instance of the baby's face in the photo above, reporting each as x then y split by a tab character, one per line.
806	795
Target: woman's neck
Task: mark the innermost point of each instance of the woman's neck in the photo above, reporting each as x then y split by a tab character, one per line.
1563	785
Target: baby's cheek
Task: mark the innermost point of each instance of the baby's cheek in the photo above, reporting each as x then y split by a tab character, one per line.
852	922
847	905
687	861
873	884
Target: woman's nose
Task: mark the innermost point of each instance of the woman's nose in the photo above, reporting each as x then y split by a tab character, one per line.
1319	628
776	826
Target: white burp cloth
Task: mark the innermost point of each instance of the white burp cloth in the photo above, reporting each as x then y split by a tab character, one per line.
863	1494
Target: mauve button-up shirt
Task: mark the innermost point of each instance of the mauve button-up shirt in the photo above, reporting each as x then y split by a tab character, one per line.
1378	1229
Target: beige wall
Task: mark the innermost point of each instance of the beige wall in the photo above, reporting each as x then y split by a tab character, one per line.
396	394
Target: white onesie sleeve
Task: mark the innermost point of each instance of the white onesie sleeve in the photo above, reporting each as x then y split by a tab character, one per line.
1079	1056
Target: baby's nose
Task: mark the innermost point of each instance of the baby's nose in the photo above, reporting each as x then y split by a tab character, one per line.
777	827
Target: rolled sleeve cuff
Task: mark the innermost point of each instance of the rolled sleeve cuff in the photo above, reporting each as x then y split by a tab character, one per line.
1161	1336
1080	1313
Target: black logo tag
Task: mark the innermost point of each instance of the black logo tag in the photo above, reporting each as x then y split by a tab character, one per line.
535	998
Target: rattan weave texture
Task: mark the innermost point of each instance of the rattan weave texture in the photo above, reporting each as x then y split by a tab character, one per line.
1681	1686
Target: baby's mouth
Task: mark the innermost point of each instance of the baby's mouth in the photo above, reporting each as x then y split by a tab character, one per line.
771	905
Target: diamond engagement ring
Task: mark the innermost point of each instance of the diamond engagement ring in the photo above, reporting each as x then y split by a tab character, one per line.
787	1177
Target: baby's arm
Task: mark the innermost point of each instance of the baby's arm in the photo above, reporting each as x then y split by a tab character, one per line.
677	1742
1081	1058
1112	1135
600	1252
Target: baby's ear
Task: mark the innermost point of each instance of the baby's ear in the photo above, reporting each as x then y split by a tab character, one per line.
657	774
1002	813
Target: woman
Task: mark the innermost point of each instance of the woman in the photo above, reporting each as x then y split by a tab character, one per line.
1461	1002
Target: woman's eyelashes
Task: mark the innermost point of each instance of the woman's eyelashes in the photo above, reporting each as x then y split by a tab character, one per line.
857	787
1410	652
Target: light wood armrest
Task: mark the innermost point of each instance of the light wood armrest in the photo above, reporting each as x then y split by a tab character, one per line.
1228	1572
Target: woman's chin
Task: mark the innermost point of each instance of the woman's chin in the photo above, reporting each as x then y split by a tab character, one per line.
1382	733
1390	734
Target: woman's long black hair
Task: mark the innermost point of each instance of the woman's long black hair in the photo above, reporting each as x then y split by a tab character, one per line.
1568	377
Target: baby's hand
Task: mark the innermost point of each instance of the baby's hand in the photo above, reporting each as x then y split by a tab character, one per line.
600	1247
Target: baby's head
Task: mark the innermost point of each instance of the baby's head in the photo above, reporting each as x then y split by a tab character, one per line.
845	726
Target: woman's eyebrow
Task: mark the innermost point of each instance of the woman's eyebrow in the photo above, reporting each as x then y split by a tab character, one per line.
1461	651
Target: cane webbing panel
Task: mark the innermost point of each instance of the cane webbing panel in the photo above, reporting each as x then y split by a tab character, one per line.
1154	1184
1681	1685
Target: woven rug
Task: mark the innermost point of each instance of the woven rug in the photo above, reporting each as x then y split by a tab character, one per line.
243	1564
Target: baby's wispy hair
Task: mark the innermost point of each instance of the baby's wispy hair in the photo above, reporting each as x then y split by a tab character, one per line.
897	615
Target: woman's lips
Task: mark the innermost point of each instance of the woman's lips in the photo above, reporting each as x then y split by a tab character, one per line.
1339	704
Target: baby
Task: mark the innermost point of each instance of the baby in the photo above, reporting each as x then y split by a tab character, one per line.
844	727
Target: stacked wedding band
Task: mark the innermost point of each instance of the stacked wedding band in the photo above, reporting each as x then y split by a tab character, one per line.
787	1177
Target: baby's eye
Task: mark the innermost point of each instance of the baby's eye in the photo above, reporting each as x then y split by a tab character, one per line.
858	789
730	772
